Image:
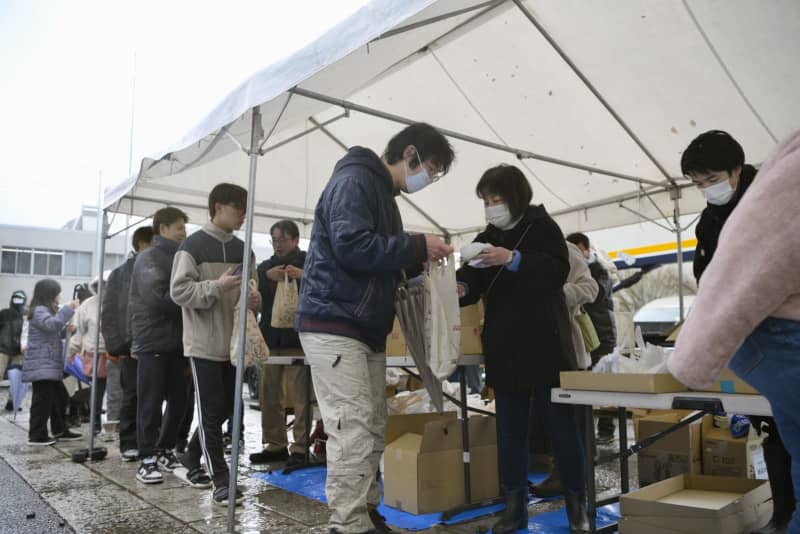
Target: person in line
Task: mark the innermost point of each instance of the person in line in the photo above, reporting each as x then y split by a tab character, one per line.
287	261
114	325
83	342
346	307
715	162
579	290
527	339
601	312
750	309
44	363
157	342
11	321
206	277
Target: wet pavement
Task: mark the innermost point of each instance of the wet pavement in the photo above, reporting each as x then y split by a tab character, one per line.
104	497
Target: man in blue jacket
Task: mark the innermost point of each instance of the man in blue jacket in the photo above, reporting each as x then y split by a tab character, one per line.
346	307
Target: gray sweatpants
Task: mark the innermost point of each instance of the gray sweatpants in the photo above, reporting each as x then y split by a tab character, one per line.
349	381
113	390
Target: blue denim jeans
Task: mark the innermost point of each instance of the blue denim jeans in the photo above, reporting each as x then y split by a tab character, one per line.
558	420
769	360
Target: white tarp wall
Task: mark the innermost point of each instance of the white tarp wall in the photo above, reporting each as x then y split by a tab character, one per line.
669	69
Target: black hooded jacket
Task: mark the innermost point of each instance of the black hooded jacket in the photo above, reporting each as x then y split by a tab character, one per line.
713	218
11	329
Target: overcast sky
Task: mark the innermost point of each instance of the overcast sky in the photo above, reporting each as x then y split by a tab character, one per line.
66	84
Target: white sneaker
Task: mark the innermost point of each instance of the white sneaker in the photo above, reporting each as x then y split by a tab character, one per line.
167	461
130	455
196	478
148	472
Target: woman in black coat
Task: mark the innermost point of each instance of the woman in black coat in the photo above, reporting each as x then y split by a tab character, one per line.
526	338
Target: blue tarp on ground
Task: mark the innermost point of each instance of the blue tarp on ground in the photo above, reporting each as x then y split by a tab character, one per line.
311	483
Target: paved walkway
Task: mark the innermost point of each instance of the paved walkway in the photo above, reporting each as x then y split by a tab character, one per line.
105	496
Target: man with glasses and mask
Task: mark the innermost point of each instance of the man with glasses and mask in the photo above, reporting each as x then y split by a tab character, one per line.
287	262
715	162
346	307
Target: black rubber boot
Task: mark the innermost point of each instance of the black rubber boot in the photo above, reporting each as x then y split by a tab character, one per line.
576	512
779	469
515	516
773	528
551	486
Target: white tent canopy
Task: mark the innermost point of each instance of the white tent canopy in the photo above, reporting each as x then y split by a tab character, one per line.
618	88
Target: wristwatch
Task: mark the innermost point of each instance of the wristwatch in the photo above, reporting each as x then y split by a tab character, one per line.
510	258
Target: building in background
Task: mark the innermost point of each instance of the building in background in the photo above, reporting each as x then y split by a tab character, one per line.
68	254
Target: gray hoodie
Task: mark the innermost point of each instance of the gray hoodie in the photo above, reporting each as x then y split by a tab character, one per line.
207	309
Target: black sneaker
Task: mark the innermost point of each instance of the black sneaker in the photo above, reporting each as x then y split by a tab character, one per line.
41	442
265	456
605	437
229	446
68	435
296	459
196	478
148	472
220	496
167	461
378	520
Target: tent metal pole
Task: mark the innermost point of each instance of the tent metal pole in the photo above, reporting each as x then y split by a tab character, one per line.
128	227
102	221
256	133
646	218
691	222
411	203
656	206
180	204
432	20
593	89
318	126
518	152
676	197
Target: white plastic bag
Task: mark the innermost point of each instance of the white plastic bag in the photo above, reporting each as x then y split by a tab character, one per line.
442	318
646	358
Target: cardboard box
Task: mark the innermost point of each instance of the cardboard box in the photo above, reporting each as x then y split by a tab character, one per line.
697	504
396	341
471	328
423	462
724	455
730	383
625	382
677	453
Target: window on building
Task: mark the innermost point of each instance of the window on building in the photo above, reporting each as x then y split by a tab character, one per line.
9	261
46	263
77	263
24	261
112	260
40	263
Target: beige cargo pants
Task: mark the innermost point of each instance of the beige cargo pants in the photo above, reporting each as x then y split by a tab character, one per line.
349	381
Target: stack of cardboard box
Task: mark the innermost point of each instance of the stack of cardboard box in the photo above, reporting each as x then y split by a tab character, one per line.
696	504
424	464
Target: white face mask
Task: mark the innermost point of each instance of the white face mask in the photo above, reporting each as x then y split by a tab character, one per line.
499	216
719	194
419	180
